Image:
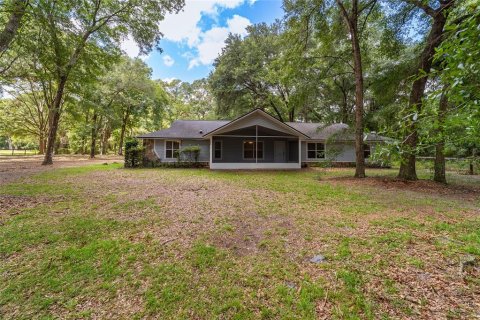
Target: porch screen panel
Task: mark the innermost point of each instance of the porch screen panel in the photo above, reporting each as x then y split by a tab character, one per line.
218	150
249	149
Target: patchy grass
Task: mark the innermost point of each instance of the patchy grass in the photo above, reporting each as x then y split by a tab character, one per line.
100	241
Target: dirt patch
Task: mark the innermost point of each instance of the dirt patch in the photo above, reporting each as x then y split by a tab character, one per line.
432	293
12	205
470	193
244	233
14	168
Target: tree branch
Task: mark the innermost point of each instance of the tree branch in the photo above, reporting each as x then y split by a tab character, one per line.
428	10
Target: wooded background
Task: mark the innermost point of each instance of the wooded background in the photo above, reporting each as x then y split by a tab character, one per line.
407	69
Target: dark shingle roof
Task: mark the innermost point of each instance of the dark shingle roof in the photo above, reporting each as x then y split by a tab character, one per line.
187	129
338	131
196	129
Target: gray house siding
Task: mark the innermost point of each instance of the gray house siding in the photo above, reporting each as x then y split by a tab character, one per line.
232	150
204	145
336	152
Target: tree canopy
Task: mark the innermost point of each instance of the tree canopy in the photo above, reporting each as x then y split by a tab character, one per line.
405	68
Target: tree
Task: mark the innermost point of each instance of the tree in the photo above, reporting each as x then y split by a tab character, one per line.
27	114
435	37
459	66
352	17
323	40
17	9
69	27
186	100
246	74
130	93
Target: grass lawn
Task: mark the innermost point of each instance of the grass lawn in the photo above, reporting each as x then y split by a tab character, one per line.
104	242
16	153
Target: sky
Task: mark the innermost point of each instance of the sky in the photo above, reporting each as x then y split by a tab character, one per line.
194	37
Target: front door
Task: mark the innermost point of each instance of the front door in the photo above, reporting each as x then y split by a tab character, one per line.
279	151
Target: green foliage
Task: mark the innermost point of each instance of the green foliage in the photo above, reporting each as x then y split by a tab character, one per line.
134	154
190	153
188	101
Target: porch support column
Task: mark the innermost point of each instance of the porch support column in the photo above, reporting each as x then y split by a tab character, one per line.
211	151
299	152
256	143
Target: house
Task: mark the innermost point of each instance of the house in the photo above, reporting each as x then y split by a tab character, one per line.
256	140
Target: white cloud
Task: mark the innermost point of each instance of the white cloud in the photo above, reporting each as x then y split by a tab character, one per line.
168	80
184	28
168	61
131	49
212	41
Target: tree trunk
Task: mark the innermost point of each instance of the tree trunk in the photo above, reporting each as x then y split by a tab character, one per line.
94	135
41	144
54	118
122	133
105	137
276	110
439	165
13	24
360	157
408	161
471	171
352	22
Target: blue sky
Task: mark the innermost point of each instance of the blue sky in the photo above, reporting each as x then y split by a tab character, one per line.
194	37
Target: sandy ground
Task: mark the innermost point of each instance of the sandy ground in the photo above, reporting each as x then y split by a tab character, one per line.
16	167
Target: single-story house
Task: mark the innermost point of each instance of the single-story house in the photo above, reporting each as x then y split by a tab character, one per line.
256	140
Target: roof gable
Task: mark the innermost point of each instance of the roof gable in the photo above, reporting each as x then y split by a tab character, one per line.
256	117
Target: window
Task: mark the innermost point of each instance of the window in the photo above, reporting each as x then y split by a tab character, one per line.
217	150
315	150
171	149
249	149
366	151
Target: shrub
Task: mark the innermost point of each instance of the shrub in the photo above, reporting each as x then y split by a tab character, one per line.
134	154
190	154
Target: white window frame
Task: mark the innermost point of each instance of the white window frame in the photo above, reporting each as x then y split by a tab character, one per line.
173	153
255	151
316	150
221	149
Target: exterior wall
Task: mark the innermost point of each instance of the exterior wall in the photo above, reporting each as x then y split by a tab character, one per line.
255	166
232	150
335	152
204	145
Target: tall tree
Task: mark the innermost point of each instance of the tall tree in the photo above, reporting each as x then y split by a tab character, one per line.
70	27
438	17
246	75
16	10
460	68
352	16
439	163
